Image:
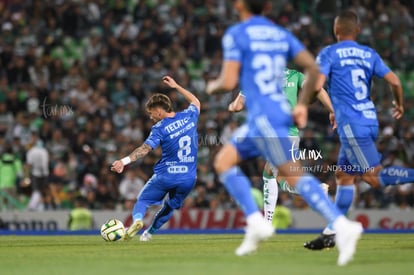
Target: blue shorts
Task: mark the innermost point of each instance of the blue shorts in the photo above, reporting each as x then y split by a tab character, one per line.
157	187
266	139
358	152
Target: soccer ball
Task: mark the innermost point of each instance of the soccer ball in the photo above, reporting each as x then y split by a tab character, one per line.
113	230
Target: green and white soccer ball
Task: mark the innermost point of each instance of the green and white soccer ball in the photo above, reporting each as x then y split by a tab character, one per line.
113	230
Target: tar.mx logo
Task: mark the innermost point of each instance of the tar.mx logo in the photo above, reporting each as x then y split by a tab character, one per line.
55	110
304	154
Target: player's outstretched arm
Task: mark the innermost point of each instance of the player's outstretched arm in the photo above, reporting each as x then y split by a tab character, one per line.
323	97
237	104
187	94
300	112
306	60
396	89
119	165
228	79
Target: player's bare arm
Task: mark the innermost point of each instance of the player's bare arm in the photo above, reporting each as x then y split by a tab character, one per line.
187	94
140	152
307	62
227	80
396	88
323	97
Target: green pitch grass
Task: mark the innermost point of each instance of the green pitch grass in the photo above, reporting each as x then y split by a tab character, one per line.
199	254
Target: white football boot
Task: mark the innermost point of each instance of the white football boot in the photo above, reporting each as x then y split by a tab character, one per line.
256	231
145	237
347	235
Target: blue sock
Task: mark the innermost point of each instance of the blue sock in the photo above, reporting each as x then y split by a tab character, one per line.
343	199
394	175
238	187
139	210
137	216
308	187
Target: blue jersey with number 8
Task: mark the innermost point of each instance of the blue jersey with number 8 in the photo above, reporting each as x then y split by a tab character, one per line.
178	139
349	68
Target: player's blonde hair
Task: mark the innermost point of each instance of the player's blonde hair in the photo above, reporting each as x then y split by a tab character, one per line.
159	100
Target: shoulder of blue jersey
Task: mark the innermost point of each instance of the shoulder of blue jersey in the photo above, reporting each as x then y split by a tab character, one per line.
157	125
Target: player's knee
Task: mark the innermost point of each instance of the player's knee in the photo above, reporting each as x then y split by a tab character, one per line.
220	164
216	163
371	176
174	204
225	159
344	178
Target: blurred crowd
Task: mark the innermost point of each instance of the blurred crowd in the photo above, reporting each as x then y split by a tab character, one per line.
75	75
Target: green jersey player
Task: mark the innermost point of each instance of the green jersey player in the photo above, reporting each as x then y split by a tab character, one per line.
293	83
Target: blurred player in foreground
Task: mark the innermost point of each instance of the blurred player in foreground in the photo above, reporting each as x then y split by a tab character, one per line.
175	173
349	68
255	53
292	86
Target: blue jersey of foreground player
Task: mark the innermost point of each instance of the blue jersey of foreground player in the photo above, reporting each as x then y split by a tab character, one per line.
179	141
264	49
349	68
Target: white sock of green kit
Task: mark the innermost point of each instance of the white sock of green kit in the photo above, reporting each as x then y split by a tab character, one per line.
270	194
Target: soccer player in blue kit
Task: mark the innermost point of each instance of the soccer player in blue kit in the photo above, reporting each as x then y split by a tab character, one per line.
349	68
255	53
175	173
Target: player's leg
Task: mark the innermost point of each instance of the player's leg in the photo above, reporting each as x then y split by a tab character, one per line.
236	183
366	158
375	175
283	183
309	188
162	216
271	181
347	232
151	194
380	176
343	200
175	201
278	151
270	192
239	187
271	184
357	154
